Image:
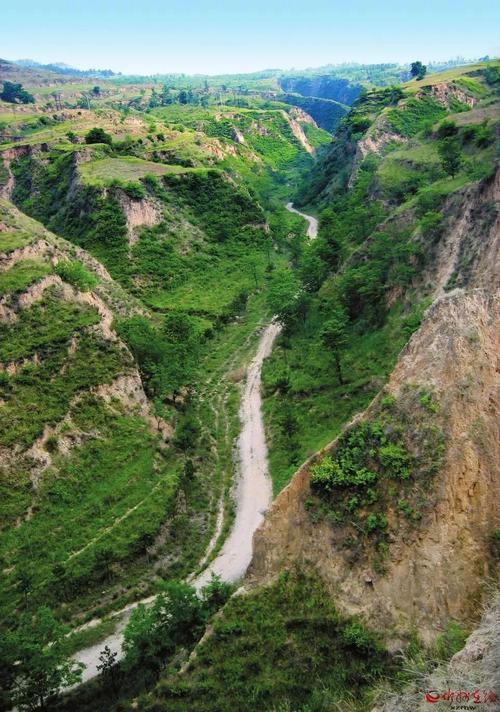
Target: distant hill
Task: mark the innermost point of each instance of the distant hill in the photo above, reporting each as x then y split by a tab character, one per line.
61	68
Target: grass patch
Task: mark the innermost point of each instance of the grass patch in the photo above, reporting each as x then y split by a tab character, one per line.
14	239
101	498
91	636
22	275
125	169
280	646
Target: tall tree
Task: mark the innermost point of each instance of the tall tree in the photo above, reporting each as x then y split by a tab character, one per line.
418	70
286	297
108	669
450	152
334	337
43	666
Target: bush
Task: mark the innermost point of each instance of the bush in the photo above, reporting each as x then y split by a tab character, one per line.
98	135
360	124
485	135
374	522
447	128
431	224
394	459
76	274
134	190
450	641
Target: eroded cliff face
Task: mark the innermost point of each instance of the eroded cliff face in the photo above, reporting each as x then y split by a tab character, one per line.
436	571
145	212
468	251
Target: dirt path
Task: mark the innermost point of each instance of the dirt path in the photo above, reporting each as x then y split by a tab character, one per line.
253	491
312	230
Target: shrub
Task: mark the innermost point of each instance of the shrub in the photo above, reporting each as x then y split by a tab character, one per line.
450	152
374	522
485	135
447	128
450	641
98	135
76	274
395	461
134	190
431	223
51	444
360	124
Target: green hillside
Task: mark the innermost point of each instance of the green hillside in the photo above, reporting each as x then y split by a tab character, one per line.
144	245
133	275
376	242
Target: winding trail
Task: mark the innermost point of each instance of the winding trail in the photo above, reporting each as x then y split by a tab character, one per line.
252	492
312	229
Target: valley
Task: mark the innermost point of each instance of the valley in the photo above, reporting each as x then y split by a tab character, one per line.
248	397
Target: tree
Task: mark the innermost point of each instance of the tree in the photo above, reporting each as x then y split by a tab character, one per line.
182	344
98	135
15	94
43	665
107	668
450	152
165	97
418	70
96	91
334	337
154	99
286	297
175	618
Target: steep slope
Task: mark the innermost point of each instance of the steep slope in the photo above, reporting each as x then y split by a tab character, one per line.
408	491
386	545
403	233
122	330
73	416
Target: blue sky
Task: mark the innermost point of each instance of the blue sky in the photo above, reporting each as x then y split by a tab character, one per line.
218	36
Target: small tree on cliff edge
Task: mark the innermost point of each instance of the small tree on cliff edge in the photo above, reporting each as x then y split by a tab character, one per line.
418	70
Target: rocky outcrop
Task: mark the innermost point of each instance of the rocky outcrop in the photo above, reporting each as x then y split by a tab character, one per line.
145	212
298	132
237	136
373	142
468	250
445	93
439	571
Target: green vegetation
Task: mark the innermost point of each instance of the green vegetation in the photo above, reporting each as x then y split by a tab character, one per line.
367	261
127	168
22	275
282	645
418	70
98	135
46	327
388	458
168	358
415	115
36	663
109	496
76	274
177	618
119	497
15	94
